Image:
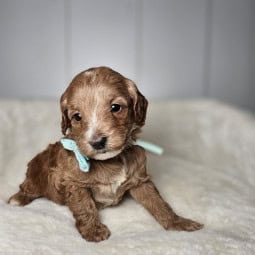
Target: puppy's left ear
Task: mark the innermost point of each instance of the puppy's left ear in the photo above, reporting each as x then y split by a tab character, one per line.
65	123
139	102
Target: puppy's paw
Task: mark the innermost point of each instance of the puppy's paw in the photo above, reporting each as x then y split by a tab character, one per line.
19	199
95	233
182	224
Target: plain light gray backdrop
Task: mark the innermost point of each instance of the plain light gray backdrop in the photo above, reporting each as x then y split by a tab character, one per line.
170	48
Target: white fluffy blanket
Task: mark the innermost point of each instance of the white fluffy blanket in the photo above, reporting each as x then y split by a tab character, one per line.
207	173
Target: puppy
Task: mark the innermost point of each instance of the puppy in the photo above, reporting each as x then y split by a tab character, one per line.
103	112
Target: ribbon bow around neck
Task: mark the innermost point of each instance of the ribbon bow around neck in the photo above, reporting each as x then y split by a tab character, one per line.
83	160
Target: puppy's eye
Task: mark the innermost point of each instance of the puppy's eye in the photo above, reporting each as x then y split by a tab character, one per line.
77	116
115	108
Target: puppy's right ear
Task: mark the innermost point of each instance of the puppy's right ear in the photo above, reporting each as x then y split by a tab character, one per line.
65	123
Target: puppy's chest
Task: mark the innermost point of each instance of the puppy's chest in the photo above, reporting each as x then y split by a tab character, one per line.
112	192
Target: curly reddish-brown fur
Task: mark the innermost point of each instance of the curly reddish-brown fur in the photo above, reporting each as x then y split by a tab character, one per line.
119	167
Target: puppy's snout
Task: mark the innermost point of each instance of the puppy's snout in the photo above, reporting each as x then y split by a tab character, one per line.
98	143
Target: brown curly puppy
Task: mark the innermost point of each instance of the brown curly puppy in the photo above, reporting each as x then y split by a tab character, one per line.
102	111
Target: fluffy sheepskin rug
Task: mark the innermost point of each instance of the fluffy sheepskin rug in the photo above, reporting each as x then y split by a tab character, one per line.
207	173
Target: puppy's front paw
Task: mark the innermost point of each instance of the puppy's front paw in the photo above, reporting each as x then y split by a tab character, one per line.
19	199
95	233
182	224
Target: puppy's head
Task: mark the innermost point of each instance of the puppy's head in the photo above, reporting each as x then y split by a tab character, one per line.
102	111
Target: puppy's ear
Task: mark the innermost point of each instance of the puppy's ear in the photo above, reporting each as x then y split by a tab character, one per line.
65	123
140	103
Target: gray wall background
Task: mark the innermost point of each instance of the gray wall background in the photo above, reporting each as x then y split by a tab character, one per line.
171	48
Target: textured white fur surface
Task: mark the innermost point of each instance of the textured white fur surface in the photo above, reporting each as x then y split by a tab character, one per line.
207	173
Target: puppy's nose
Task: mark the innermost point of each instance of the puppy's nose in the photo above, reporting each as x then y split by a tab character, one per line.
99	143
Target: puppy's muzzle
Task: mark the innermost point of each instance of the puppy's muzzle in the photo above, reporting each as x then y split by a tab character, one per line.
98	143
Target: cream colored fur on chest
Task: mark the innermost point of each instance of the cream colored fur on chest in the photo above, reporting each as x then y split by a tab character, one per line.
107	194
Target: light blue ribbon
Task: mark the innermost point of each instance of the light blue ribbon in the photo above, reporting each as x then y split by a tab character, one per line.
83	160
151	147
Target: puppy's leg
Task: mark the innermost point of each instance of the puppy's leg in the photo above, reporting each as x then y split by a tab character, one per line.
36	180
149	197
28	192
83	207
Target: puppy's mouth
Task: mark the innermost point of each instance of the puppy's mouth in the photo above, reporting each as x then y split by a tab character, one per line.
100	154
105	154
102	148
